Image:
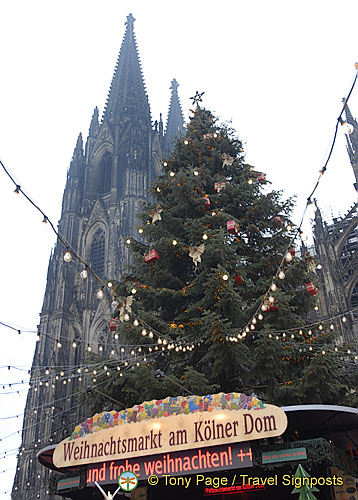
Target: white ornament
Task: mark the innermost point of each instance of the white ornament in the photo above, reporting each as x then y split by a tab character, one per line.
196	252
125	306
155	214
227	160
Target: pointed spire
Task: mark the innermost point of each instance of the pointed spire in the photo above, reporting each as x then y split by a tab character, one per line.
94	126
127	97
352	144
78	151
175	122
349	117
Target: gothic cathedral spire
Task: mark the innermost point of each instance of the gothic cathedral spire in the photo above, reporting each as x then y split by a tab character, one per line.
352	144
127	98
175	122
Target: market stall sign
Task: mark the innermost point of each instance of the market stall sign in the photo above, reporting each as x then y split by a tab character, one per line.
269	457
170	434
69	482
181	463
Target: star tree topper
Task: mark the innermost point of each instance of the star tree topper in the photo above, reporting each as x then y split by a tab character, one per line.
197	97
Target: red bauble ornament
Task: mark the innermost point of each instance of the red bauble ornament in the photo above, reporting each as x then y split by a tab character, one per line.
261	177
311	289
278	220
206	202
232	227
151	256
219	186
292	251
238	280
113	324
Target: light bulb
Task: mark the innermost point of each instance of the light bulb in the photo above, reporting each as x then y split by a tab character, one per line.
89	348
109	284
140	230
151	335
331	327
84	274
281	275
271	299
205	236
128	241
100	294
252	327
144	332
67	257
347	128
254	321
158	189
160	340
260	316
320	327
126	317
273	287
196	172
100	348
174	242
186	142
133	291
213	213
47	371
74	345
288	257
59	345
315	308
319	266
344	319
135	322
225	277
171	173
263	307
249	181
165	164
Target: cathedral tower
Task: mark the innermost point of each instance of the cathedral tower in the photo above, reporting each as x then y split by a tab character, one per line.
107	180
337	250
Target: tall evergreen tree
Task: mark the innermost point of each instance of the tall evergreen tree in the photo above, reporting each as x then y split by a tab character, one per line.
211	243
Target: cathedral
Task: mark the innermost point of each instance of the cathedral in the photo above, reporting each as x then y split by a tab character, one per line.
336	247
107	181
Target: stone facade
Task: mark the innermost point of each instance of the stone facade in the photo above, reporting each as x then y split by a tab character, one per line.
107	180
336	245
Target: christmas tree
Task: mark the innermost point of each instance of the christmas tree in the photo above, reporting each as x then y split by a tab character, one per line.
210	278
304	488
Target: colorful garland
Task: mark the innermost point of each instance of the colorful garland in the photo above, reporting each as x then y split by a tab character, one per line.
166	408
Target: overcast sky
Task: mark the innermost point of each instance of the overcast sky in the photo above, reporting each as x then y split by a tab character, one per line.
277	69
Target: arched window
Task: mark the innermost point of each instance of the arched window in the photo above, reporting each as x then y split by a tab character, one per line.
354	299
105	173
97	252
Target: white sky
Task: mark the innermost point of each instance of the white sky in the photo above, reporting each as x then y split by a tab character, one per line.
278	69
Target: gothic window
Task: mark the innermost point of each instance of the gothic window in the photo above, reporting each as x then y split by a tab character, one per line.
105	172
97	252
